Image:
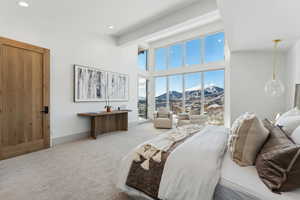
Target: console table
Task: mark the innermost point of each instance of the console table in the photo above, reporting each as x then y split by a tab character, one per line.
103	122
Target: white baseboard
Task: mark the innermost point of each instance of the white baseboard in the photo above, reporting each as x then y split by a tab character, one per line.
70	138
80	136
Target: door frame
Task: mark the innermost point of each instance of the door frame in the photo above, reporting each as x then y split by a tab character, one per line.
147	95
46	84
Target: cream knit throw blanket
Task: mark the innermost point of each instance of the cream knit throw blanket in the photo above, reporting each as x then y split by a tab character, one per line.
154	150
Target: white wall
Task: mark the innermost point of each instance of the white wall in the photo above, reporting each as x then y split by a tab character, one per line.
69	48
293	73
249	73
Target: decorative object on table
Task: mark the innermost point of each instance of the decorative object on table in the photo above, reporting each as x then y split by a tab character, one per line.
90	84
107	105
118	85
108	108
123	107
297	96
275	87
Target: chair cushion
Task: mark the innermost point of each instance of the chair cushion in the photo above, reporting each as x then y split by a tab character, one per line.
163	123
163	113
247	136
195	112
183	122
183	116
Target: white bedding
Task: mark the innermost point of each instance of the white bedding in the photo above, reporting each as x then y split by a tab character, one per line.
192	170
185	173
246	180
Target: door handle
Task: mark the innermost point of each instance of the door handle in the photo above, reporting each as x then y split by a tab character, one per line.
46	110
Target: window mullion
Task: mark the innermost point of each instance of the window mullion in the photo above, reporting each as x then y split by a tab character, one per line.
184	54
202	93
168	93
183	92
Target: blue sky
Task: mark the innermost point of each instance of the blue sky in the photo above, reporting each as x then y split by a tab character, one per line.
213	51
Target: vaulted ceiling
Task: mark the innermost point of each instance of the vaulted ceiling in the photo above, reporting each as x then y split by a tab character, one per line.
90	15
253	24
129	17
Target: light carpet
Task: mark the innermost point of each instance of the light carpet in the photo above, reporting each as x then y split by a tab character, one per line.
81	170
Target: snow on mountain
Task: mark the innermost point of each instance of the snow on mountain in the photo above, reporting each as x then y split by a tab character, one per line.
210	90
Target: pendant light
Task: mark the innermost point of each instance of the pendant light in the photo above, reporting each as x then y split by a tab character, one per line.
274	87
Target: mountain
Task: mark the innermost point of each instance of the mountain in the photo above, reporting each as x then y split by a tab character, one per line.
209	91
213	90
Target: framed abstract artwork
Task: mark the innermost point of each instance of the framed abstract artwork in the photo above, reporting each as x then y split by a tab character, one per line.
117	87
90	84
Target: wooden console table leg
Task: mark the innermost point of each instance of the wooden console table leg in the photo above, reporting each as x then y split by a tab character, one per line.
93	128
126	121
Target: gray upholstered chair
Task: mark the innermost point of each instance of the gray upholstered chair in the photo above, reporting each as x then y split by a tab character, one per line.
163	118
192	117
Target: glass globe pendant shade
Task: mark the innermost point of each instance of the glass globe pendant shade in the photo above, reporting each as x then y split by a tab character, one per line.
274	88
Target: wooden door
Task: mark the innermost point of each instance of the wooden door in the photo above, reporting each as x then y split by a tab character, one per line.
24	98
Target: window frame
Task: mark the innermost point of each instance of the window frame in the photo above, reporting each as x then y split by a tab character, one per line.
184	59
147	61
202	80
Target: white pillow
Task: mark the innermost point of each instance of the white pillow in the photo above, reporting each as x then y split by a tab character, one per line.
293	112
296	135
289	123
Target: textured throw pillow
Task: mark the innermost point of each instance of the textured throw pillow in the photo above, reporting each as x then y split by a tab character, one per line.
289	123
296	135
247	136
278	163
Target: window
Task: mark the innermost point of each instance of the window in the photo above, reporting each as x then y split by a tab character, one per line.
214	48
214	96
193	90
175	94
193	52
142	60
160	92
161	59
210	101
143	98
189	53
176	56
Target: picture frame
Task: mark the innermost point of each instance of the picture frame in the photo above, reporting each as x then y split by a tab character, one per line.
90	84
117	86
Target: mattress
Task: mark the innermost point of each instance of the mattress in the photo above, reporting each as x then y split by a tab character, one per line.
243	183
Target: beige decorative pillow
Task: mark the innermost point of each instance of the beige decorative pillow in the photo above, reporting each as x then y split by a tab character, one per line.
247	136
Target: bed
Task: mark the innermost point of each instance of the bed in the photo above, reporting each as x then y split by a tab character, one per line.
243	183
233	182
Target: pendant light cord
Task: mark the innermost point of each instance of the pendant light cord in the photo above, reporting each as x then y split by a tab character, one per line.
275	58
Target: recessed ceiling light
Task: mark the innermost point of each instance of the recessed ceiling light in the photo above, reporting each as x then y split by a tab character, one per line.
23	4
111	27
